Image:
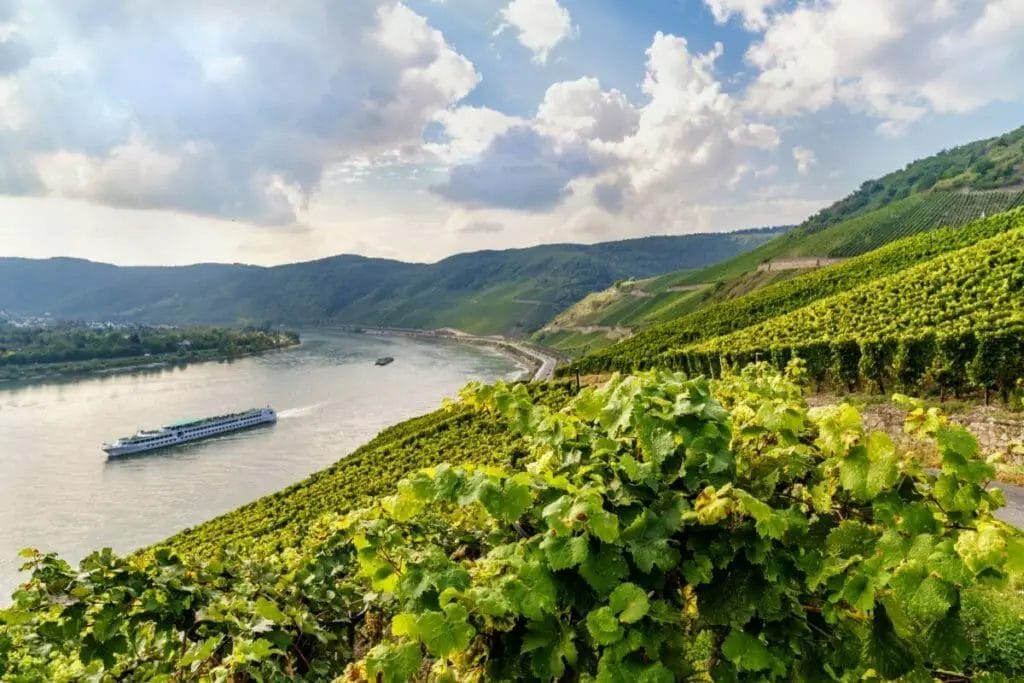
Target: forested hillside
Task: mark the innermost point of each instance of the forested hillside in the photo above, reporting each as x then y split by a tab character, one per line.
512	291
65	349
950	189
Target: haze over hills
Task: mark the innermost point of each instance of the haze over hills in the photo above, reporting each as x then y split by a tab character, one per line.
510	291
951	188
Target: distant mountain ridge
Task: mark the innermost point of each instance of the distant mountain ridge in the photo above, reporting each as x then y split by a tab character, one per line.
509	291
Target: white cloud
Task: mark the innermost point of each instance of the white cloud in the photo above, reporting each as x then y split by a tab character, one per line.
182	106
804	158
468	131
581	109
896	60
753	12
691	135
540	25
591	152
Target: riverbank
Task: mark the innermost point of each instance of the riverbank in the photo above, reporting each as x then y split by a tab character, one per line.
538	364
72	370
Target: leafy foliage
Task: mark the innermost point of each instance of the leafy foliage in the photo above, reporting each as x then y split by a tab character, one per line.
658	529
669	535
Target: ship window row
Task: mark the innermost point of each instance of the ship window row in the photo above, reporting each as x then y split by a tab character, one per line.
199	431
208	429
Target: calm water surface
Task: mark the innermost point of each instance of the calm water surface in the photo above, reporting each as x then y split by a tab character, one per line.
59	492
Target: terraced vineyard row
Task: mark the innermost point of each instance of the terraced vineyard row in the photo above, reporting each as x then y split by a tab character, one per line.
644	349
954	321
910	216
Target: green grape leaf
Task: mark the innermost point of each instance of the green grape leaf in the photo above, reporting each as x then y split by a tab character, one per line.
550	646
883	470
404	625
957	440
885	650
201	651
445	633
604	569
698	569
604	525
983	549
516	499
393	663
564	552
746	652
93	650
656	442
839	427
853	472
948	641
269	610
106	623
603	627
768	524
656	673
629	602
531	592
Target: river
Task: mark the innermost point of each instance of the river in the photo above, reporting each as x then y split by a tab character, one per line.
59	492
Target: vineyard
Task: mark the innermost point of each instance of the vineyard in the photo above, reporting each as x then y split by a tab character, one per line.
654	529
762	305
910	216
945	326
684	295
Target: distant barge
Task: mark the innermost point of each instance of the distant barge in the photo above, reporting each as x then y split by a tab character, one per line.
189	430
386	360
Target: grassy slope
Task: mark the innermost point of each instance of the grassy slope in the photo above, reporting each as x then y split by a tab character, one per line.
783	297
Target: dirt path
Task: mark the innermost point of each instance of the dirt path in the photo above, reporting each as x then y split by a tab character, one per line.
798	263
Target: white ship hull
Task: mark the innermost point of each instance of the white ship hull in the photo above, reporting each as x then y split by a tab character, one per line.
185	432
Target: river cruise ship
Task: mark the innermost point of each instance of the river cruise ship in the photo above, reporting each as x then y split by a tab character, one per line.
189	430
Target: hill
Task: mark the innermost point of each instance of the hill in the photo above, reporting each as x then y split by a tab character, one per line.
644	349
942	312
512	291
949	189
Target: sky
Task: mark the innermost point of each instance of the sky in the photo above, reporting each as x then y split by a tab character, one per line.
155	132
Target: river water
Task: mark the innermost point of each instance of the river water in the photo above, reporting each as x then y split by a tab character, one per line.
59	492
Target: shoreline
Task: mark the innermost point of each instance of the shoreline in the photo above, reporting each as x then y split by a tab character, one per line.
137	364
539	365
